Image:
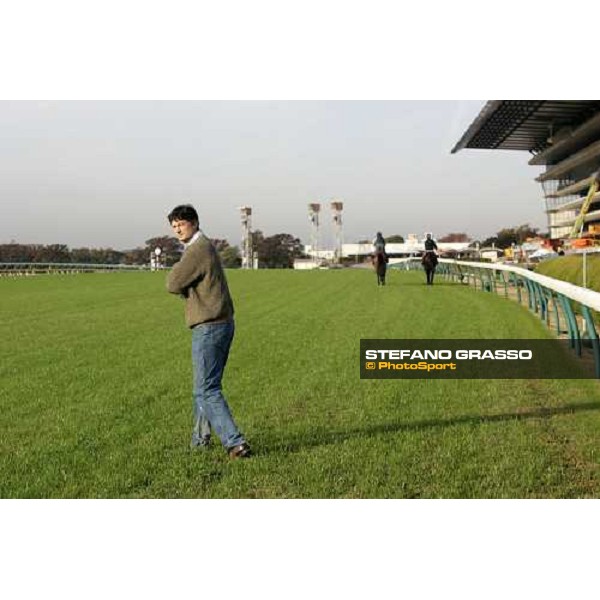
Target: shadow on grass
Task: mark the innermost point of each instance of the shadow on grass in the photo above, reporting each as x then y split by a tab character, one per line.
424	283
317	438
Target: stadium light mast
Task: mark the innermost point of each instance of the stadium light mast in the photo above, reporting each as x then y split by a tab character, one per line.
246	250
336	209
313	213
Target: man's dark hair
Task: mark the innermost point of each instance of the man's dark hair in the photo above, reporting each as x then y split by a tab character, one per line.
183	212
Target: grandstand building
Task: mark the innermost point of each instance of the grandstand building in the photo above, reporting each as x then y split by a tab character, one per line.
563	136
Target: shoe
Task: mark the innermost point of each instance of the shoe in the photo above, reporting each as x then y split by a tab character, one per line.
240	451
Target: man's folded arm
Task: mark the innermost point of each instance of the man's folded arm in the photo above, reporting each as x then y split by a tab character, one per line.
183	274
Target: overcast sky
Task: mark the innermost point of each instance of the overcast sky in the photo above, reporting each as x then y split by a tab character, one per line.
102	173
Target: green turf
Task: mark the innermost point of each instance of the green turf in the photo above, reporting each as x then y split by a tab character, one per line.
96	377
570	268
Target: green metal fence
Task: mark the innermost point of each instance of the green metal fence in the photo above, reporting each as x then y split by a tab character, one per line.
566	308
20	269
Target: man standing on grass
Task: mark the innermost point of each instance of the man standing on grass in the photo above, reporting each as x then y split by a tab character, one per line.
199	278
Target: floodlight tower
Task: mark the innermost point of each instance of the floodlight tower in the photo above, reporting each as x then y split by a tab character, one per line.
313	213
336	209
246	249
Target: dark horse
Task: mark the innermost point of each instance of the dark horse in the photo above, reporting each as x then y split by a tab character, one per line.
380	260
429	262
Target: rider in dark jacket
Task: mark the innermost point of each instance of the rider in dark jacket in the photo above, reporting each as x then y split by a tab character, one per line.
430	244
429	259
379	243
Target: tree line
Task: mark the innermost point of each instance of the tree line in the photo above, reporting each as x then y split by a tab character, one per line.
276	251
61	253
508	236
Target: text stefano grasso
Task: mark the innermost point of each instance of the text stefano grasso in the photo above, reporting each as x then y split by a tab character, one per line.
459	354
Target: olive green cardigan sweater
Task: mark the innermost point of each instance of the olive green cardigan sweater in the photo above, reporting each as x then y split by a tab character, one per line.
200	279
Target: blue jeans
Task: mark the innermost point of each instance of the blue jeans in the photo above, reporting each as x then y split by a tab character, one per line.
210	350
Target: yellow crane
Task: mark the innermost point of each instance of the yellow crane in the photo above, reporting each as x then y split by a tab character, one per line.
578	225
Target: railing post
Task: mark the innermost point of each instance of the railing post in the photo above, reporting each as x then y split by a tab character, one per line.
505	283
530	297
481	272
515	279
542	299
552	296
574	337
593	336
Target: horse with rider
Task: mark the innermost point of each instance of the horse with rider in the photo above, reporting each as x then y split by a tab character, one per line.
379	258
429	259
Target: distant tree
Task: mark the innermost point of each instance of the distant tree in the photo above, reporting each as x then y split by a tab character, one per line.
166	243
220	244
106	256
515	235
394	239
171	248
15	253
507	237
279	251
525	232
81	255
35	253
56	253
136	256
256	239
454	238
490	241
230	257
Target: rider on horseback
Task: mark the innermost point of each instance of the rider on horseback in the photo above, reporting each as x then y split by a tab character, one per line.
430	244
430	259
379	258
379	243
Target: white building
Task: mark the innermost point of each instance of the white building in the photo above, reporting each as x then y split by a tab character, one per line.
411	246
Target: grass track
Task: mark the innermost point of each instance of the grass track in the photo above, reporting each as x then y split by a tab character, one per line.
95	395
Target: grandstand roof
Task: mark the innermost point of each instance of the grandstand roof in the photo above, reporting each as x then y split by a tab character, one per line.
525	124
